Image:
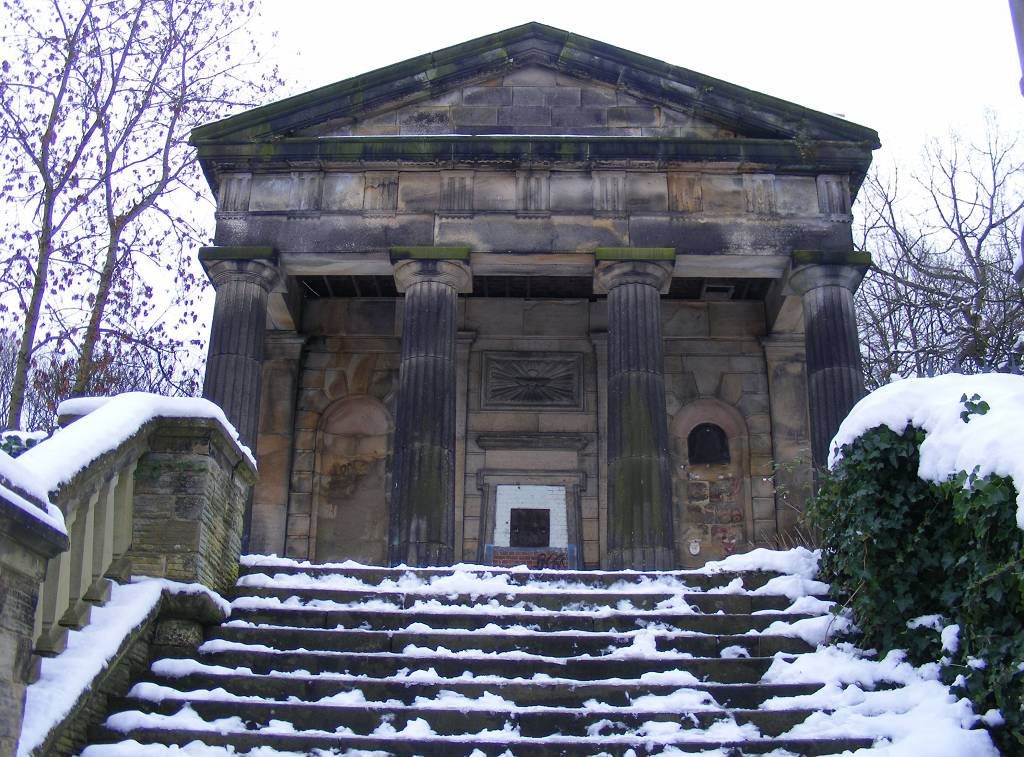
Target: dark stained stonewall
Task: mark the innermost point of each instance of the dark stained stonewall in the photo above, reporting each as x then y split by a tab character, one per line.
422	523
639	477
834	379
234	361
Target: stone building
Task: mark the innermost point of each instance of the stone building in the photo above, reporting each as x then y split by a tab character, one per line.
532	298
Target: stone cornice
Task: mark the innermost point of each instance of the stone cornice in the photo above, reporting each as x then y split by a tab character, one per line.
780	154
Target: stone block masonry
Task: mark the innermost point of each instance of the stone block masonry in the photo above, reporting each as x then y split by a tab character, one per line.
190	492
26	544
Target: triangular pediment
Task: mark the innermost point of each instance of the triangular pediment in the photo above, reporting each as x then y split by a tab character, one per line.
534	79
526	99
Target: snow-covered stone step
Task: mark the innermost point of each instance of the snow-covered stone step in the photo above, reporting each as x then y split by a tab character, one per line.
696	580
454	715
416	740
472	660
263	659
311	615
492	638
549	600
188	675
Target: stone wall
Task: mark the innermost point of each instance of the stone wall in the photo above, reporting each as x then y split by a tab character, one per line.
349	366
531	413
530	100
530	377
156	637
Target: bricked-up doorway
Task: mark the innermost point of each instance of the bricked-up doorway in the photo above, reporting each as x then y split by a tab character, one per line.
520	512
531	518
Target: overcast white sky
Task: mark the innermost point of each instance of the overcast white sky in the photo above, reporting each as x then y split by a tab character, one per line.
911	69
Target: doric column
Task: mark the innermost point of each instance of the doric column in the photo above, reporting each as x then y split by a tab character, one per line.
639	475
422	525
242	277
826	283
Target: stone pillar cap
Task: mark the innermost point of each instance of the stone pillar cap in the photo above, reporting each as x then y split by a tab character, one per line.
811	269
256	264
453	273
609	274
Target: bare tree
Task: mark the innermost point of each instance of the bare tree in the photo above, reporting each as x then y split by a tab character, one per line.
941	296
95	110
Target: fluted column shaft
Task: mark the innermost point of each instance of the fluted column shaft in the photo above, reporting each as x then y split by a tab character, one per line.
235	357
835	381
422	522
639	475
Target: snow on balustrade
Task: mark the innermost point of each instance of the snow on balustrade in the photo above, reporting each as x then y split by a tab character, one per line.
15	477
106	423
64	678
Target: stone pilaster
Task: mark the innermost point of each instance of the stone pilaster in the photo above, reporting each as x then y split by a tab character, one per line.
791	450
234	363
826	284
639	475
422	522
276	441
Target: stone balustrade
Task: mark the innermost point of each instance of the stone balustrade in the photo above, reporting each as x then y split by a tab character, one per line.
146	486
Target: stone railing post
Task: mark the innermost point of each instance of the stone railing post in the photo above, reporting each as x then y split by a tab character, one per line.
191	490
243	277
826	283
27	544
422	520
639	475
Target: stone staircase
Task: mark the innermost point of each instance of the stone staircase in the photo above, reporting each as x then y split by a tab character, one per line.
482	661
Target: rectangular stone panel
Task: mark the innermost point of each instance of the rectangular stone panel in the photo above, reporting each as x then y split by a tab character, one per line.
419	191
380	193
796	195
684	193
571	191
270	192
342	191
532	380
646	192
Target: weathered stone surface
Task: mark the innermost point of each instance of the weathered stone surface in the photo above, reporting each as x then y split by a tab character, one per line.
190	493
174	627
834	378
235	356
639	483
599	150
422	505
26	544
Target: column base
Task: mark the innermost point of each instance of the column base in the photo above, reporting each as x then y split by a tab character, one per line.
422	554
641	558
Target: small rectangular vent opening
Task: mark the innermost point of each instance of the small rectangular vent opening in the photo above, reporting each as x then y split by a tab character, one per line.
530	527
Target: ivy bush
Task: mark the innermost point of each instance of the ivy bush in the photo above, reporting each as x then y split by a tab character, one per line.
897	547
14	443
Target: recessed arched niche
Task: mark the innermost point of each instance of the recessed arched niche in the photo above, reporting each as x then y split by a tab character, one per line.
707	444
711	482
350	510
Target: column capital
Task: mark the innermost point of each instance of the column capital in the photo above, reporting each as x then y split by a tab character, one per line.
263	273
609	274
454	273
811	269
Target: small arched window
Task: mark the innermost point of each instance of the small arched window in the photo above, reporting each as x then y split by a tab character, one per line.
707	445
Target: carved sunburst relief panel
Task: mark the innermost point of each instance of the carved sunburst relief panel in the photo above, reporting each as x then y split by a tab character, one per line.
533	379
